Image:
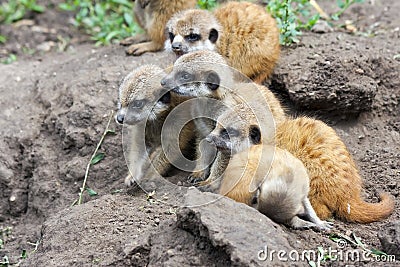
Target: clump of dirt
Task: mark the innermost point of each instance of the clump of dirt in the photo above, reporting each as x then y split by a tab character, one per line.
55	107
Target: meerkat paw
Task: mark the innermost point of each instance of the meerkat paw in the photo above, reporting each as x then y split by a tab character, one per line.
139	38
197	178
129	180
324	225
298	223
139	49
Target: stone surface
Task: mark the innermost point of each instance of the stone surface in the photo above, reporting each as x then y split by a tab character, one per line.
390	238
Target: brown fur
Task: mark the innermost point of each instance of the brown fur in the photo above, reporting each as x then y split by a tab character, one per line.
152	15
248	37
274	182
335	184
335	181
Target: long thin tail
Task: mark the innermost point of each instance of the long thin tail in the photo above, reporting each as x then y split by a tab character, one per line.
363	212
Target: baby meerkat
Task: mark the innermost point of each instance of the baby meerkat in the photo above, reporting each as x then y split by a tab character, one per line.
144	106
152	15
282	186
204	75
244	33
335	184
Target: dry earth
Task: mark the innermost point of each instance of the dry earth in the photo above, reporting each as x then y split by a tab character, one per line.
55	106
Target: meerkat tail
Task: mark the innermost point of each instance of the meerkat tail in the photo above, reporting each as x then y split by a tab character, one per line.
363	212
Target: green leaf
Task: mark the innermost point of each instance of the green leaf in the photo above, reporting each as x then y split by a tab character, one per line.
3	39
24	255
66	7
38	8
91	192
378	252
112	132
96	159
358	241
128	19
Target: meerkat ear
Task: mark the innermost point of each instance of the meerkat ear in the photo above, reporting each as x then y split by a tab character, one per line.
255	135
213	36
213	80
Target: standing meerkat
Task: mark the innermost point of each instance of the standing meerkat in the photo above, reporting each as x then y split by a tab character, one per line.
282	186
205	75
152	15
335	183
243	33
143	106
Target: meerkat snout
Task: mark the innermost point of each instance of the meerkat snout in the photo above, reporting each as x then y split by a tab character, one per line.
119	118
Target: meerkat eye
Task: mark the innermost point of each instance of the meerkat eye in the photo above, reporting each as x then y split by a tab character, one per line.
185	76
232	132
255	135
224	134
138	103
193	37
171	36
165	98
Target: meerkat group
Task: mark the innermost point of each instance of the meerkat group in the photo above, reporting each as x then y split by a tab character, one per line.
296	171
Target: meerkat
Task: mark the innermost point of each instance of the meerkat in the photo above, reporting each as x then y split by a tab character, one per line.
244	33
335	183
282	186
143	107
152	15
205	75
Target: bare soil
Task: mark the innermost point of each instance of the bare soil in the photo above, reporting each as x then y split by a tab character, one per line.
56	102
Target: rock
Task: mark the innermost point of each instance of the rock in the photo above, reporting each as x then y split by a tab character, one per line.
112	231
321	27
241	231
390	238
338	85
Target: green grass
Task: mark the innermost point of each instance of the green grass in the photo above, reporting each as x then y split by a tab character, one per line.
104	21
14	10
295	16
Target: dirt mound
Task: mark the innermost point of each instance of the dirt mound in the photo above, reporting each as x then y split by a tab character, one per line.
55	108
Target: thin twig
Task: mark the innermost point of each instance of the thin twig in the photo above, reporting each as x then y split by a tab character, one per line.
91	158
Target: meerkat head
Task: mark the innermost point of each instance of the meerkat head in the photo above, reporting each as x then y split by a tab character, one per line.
192	30
141	96
200	74
236	130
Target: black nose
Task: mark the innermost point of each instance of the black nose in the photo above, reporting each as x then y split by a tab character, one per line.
120	118
177	46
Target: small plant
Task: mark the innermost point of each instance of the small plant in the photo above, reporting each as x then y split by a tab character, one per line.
94	159
294	16
10	59
14	10
207	4
344	5
105	21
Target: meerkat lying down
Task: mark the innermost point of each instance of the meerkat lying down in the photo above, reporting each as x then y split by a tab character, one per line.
335	183
281	184
143	107
242	32
152	15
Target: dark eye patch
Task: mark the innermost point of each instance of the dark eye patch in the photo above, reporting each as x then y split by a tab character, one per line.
184	76
193	37
171	36
137	103
165	98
